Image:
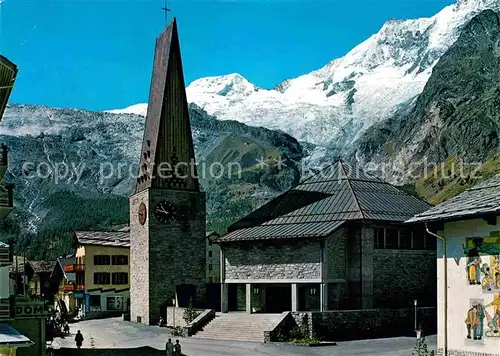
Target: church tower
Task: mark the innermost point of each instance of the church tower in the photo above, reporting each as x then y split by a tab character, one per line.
167	209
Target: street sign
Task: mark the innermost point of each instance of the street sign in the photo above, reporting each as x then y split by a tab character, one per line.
31	310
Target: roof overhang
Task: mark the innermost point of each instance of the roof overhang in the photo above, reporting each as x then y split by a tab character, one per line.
447	219
280	233
10	337
8	73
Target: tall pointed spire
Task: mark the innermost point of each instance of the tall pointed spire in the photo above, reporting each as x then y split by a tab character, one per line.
167	155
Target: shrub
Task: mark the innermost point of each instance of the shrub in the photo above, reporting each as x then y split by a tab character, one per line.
178	331
306	341
420	348
189	313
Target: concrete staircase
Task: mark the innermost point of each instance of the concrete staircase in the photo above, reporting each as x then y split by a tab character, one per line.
238	326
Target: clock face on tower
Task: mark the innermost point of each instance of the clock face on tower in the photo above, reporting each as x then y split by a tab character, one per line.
166	212
142	214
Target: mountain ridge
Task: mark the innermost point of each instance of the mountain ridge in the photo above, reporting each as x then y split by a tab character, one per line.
333	105
454	123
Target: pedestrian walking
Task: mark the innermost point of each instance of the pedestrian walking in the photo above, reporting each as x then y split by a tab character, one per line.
169	347
79	339
66	328
177	348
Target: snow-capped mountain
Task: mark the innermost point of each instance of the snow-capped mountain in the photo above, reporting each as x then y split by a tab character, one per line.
333	105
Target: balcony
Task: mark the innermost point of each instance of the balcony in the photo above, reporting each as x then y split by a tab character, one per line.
3	160
6	200
74	268
73	287
5	309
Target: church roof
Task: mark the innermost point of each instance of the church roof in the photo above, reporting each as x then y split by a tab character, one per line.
480	200
103	238
167	154
324	202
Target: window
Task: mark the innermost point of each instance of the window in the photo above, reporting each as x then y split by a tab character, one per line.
101	278
418	239
120	278
110	303
379	238
209	253
95	300
100	260
209	267
392	239
120	260
405	239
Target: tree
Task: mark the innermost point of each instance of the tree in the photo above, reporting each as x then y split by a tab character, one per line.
420	348
189	313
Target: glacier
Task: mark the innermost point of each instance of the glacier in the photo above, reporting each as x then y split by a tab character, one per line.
332	106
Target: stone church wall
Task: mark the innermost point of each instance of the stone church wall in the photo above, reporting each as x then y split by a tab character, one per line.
299	260
367	324
335	260
401	276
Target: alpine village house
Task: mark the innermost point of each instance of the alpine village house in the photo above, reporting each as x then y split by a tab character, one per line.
468	272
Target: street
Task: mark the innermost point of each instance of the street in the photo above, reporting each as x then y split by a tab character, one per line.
116	334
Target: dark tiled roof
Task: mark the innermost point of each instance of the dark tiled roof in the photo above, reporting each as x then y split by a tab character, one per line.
104	238
12	337
8	72
19	266
42	266
323	202
482	199
66	261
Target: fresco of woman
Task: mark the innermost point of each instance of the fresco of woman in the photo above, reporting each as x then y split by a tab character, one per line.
474	270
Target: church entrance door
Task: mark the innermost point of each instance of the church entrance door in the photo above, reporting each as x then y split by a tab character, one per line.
278	298
186	293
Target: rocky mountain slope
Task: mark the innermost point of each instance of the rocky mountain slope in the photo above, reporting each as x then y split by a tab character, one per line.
75	169
456	118
333	105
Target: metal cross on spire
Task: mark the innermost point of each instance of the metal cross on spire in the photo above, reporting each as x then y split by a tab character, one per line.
166	9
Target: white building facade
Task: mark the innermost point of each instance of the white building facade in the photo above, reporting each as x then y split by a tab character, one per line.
468	270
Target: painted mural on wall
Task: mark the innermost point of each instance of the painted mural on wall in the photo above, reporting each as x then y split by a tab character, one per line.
483	271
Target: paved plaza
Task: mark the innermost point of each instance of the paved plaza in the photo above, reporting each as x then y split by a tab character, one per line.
117	334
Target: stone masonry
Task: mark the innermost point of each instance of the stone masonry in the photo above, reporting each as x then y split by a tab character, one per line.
407	274
139	257
164	256
299	260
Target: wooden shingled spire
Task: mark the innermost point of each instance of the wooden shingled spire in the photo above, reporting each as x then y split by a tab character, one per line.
167	142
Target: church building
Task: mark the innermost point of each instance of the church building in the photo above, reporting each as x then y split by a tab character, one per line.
167	209
334	242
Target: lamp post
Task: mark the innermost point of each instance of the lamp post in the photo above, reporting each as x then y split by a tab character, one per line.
415	304
173	303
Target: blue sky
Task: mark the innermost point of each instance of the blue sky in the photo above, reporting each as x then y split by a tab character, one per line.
97	54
